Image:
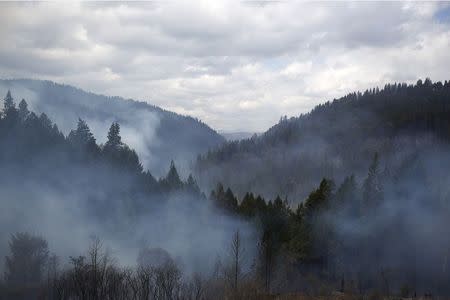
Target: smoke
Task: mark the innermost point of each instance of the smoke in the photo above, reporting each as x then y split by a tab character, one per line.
138	127
68	203
60	210
404	239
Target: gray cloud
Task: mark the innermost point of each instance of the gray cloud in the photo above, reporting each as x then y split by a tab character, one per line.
236	65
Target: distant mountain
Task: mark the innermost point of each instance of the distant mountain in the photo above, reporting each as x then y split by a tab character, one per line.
238	135
399	122
157	135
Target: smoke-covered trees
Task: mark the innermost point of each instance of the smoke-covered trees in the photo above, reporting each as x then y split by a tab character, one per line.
172	179
191	185
224	200
8	103
27	261
23	110
119	153
352	244
335	139
10	113
52	178
114	140
372	188
83	139
347	192
319	199
113	167
81	136
367	232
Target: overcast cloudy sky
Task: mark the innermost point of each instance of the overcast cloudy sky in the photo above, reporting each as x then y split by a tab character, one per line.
235	65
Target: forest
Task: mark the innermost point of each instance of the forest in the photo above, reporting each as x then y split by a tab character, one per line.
335	139
349	201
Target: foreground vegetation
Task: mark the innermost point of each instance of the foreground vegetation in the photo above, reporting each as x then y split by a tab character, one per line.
32	273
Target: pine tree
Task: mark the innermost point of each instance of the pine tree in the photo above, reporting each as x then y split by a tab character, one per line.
231	202
10	111
191	185
26	262
23	110
172	180
114	139
45	122
82	135
319	198
8	102
248	205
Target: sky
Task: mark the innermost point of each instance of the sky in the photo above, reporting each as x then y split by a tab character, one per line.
236	65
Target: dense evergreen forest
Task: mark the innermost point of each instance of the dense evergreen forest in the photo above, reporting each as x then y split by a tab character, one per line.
335	139
367	212
33	147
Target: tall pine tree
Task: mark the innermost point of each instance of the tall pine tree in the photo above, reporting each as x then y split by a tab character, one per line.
23	110
8	102
114	140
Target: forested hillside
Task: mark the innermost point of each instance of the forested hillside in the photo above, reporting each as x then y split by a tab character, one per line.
68	188
335	139
158	136
383	231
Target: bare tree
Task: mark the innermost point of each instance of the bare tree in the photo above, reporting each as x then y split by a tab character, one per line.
237	253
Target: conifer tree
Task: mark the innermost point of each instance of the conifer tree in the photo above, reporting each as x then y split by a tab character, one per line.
45	122
8	102
23	110
26	262
172	180
82	135
9	110
191	184
231	202
114	139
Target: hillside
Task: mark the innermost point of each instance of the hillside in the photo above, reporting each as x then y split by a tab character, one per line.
157	135
334	140
70	188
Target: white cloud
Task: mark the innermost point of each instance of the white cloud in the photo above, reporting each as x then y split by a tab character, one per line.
234	65
297	68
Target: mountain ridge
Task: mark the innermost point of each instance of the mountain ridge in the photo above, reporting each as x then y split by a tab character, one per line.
335	139
158	135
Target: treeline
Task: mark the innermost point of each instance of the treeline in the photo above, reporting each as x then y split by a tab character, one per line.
333	140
